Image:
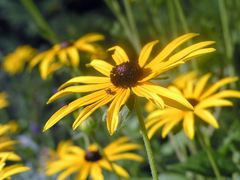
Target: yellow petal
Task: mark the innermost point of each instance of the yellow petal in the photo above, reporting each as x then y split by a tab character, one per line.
119	55
207	117
217	85
118	169
87	111
68	172
85	80
170	48
158	124
145	53
188	90
96	172
226	94
44	66
188	125
65	110
151	96
213	103
198	53
74	56
36	60
121	148
102	66
85	170
11	170
113	110
200	85
91	37
180	81
170	98
125	156
62	55
169	125
78	89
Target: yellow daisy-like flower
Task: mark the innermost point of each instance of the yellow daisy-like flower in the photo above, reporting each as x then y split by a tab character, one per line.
15	62
125	77
201	96
73	159
65	53
3	100
7	153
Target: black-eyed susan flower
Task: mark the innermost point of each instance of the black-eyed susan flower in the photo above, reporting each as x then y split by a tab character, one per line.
7	153
65	54
3	100
201	96
15	62
126	77
90	162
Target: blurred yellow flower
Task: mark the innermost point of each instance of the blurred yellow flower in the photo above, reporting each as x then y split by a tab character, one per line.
65	53
3	100
71	159
7	153
201	96
15	62
125	77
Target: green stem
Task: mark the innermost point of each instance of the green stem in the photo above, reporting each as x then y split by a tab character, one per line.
207	147
183	21
146	141
132	24
226	32
45	29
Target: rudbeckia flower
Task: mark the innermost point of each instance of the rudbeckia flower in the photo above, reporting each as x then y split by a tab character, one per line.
201	96
3	100
73	159
65	53
126	77
15	62
7	153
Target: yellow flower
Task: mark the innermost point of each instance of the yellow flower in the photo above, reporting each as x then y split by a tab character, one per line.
3	100
125	77
73	159
201	96
7	153
65	53
15	62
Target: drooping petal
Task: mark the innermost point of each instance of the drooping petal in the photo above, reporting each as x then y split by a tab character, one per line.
45	64
145	53
151	96
85	80
118	169
65	110
96	172
113	110
62	55
91	37
11	170
152	130
170	98
119	55
201	85
188	124
206	116
121	148
68	172
169	125
102	67
125	156
217	85
87	111
85	170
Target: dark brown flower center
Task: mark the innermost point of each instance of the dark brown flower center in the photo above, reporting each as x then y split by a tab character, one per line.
92	156
126	74
193	101
65	44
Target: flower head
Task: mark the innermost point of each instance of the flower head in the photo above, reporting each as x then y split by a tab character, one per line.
65	53
3	100
7	153
73	159
201	96
15	62
126	77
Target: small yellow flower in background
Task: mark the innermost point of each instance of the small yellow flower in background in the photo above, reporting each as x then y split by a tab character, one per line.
7	152
201	96
3	100
65	54
125	77
15	62
73	159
